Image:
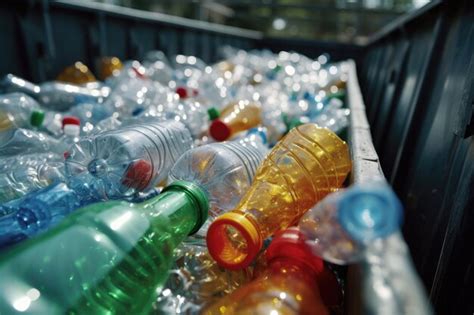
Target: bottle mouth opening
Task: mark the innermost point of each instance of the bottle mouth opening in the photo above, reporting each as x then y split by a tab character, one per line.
233	242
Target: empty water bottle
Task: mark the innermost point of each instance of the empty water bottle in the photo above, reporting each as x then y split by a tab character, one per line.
71	131
15	141
340	227
19	110
62	96
23	174
41	210
224	171
11	83
133	158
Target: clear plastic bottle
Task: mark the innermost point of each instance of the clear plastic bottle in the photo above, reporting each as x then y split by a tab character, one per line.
293	282
23	174
224	171
11	84
132	158
234	118
109	257
340	227
191	113
15	141
306	165
62	96
19	110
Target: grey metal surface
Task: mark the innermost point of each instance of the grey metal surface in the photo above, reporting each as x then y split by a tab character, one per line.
386	282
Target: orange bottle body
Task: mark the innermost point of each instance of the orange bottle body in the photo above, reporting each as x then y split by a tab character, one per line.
234	118
285	288
306	165
291	281
108	66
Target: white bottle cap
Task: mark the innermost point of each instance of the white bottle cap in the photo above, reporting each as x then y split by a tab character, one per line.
72	130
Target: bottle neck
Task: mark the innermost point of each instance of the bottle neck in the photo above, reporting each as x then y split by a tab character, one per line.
294	269
183	203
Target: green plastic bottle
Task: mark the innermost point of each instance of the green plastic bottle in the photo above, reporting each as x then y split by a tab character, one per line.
107	258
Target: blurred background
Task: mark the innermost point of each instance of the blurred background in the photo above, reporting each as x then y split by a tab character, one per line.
348	21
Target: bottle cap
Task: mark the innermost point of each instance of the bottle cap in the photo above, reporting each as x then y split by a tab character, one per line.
219	130
71	120
234	251
259	131
291	243
213	113
182	92
37	118
138	175
199	197
370	211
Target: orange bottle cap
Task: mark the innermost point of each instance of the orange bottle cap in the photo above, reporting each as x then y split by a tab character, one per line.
233	240
219	130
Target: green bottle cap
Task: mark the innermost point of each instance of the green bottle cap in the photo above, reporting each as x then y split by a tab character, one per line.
37	117
197	195
213	113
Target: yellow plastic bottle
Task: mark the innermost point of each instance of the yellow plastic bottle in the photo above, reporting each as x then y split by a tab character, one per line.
306	165
78	73
234	118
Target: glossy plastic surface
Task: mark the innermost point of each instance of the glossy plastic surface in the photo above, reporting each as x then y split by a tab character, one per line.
341	226
235	117
132	158
306	165
106	258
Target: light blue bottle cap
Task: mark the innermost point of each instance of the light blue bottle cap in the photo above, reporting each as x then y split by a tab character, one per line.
262	132
370	211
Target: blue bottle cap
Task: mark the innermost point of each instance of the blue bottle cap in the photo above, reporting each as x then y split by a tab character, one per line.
369	211
262	132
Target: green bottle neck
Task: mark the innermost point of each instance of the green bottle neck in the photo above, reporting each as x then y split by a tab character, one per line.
182	202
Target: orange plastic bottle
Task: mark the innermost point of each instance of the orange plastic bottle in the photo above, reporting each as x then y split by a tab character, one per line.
235	117
294	282
78	73
306	165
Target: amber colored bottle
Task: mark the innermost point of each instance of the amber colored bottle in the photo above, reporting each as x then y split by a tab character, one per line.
108	66
235	117
294	282
78	73
306	165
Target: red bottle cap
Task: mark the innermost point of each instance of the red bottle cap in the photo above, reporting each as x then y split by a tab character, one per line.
71	120
291	243
182	92
138	175
219	130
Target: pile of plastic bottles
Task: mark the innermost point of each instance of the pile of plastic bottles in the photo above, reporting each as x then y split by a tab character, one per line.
177	187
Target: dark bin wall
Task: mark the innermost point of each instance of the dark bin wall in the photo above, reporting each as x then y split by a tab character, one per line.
417	81
39	38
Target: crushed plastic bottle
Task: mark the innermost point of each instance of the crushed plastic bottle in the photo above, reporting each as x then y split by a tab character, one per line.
306	165
340	227
195	281
11	84
132	158
26	173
